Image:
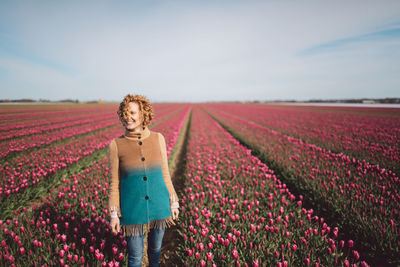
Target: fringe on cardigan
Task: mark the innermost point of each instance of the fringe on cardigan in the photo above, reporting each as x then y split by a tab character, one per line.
137	229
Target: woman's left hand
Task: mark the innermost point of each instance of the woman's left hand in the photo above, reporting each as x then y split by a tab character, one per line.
175	213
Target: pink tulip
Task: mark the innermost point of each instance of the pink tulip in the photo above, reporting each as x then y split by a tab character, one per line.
120	256
356	255
63	238
235	254
189	252
212	238
209	256
201	247
226	242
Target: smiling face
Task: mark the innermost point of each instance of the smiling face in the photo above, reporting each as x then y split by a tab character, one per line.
134	118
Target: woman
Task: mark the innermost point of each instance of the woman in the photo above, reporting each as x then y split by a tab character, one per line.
141	191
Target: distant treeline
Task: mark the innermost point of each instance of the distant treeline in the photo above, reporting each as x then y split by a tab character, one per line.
27	100
391	100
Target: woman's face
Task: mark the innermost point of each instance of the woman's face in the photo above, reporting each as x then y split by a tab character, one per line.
134	117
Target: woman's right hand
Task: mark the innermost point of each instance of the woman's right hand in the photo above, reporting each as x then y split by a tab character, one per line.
115	226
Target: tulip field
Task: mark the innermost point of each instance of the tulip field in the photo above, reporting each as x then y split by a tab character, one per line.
362	197
237	213
263	185
70	226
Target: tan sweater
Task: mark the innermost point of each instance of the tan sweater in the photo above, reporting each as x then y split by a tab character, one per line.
141	190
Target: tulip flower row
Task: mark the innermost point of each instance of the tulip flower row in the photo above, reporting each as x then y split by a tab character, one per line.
369	134
362	198
174	128
70	226
235	212
32	126
55	134
23	117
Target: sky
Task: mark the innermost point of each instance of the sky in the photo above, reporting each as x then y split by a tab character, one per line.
196	51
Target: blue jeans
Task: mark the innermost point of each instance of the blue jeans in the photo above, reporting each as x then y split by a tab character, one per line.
135	248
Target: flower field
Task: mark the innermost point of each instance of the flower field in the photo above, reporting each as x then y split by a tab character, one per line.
260	185
360	197
70	226
369	134
237	213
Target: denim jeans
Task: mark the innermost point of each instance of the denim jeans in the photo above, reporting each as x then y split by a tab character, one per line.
135	248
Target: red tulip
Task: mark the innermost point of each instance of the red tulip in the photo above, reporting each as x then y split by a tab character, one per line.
356	255
235	254
63	238
209	256
120	256
201	247
189	252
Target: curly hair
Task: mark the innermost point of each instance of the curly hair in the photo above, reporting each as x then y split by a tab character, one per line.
144	106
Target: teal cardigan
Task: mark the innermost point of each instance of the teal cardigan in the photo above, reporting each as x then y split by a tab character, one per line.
141	190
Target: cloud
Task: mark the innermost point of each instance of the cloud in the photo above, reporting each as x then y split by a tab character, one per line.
391	34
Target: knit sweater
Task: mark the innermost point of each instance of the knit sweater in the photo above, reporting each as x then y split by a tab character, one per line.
141	190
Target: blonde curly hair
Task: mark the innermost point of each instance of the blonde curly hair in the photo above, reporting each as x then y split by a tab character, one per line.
145	108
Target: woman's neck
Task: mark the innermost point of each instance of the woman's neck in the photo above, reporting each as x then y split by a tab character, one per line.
137	129
142	133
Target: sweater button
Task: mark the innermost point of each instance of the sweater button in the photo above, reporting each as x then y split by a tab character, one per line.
140	143
146	197
145	178
143	159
